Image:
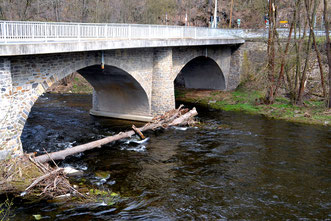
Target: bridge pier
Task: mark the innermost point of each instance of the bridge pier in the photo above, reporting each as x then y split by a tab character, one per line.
163	93
10	124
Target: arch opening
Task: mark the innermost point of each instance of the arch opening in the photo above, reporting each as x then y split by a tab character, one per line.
201	73
54	114
116	93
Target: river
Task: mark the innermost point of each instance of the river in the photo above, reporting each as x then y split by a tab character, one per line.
234	166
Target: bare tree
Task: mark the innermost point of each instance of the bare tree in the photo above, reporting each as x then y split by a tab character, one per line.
269	99
326	22
303	79
84	11
318	56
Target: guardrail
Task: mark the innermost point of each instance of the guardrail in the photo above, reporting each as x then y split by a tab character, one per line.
24	31
14	31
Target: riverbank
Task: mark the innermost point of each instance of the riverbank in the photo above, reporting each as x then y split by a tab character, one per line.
313	112
76	85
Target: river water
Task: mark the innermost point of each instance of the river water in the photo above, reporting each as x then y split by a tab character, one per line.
234	166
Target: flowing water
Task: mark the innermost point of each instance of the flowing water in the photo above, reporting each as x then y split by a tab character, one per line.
234	166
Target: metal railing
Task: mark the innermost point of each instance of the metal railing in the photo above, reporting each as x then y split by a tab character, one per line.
18	31
24	31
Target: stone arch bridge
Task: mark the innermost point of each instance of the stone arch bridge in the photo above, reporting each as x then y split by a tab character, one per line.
137	81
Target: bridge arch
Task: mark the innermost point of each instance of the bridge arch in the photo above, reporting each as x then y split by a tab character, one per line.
33	75
60	66
116	93
201	72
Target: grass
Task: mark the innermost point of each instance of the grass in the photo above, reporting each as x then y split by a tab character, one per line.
5	209
78	85
313	112
81	86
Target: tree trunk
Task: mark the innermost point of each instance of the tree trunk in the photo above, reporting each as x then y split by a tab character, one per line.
310	22
231	13
84	11
298	51
304	74
318	55
297	61
271	53
281	73
171	118
326	22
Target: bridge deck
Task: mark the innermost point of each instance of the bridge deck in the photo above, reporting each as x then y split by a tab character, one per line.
28	48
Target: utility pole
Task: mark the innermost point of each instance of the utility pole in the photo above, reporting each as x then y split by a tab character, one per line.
215	15
231	13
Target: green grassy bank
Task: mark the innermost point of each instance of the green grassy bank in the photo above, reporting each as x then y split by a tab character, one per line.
313	112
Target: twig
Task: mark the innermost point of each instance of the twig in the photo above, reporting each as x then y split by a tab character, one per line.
37	164
51	158
74	190
39	179
140	134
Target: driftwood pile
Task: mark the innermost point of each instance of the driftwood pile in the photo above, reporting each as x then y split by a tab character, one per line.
30	175
25	176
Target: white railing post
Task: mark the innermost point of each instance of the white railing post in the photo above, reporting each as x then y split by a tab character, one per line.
57	30
5	31
183	32
14	33
105	30
78	32
149	32
195	32
130	32
45	27
33	31
168	32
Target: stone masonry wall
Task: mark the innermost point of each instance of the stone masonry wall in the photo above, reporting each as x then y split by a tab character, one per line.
236	67
9	139
253	57
163	93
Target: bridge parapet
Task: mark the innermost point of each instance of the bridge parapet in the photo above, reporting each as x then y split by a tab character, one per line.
20	31
32	31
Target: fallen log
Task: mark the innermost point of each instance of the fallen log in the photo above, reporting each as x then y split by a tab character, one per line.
174	117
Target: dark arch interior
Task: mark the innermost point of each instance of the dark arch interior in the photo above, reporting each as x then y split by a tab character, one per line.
201	73
116	91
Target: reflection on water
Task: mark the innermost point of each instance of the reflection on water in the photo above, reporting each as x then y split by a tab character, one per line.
235	167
